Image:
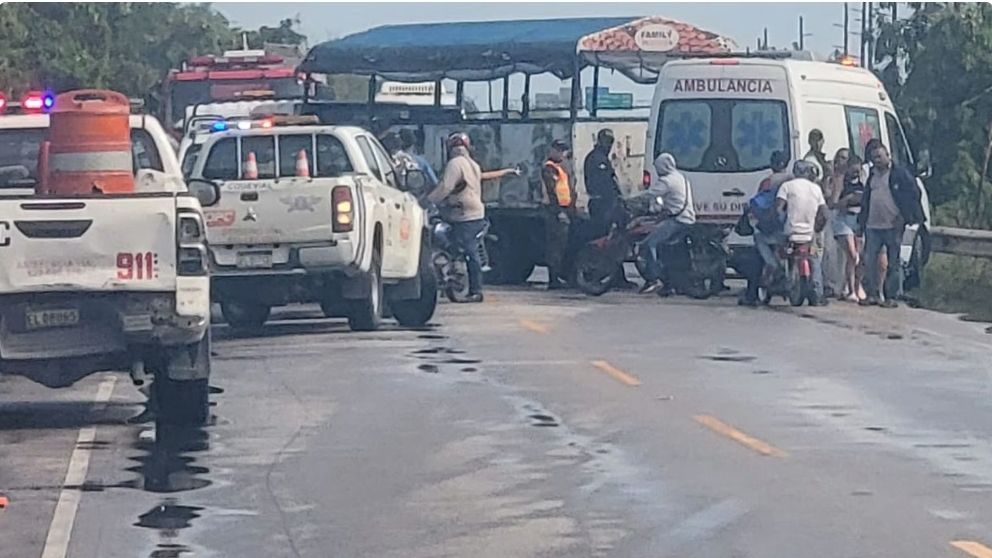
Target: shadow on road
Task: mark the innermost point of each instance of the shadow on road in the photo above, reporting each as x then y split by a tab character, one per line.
51	415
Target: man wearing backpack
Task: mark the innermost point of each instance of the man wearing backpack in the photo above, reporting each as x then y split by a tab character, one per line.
768	223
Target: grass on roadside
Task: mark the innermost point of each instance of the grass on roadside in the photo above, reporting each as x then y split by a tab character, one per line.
958	284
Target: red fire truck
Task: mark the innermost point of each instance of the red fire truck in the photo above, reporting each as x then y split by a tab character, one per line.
237	75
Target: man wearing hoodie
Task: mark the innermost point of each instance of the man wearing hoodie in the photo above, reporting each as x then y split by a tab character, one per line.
676	194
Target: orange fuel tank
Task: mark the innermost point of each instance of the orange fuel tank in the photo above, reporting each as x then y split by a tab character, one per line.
89	145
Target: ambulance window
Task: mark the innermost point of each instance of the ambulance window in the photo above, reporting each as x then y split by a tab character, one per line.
897	142
722	135
366	148
264	148
684	131
332	159
758	131
862	126
144	151
290	147
222	163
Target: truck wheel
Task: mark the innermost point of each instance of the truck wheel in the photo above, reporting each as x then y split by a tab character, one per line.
183	402
365	314
418	311
245	317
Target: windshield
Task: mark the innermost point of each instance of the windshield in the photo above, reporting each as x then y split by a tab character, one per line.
19	157
722	135
187	93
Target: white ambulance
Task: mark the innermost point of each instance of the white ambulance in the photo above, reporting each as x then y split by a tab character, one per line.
722	118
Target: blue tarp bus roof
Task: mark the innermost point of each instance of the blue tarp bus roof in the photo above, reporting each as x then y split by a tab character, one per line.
471	51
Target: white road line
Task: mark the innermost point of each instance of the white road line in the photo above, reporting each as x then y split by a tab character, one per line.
57	542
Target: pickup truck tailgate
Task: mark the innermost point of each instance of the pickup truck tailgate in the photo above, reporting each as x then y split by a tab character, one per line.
98	244
284	211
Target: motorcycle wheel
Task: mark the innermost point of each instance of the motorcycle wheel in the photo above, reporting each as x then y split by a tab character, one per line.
593	275
456	281
798	287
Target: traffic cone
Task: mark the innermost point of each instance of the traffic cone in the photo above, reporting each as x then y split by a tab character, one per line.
302	165
250	172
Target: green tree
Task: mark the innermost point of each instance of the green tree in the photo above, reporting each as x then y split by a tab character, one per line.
937	63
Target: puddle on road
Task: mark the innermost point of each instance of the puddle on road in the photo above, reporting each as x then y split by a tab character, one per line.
730	358
168	516
429	368
439	350
543	420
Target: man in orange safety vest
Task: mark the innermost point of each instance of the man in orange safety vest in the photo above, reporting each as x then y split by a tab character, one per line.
559	198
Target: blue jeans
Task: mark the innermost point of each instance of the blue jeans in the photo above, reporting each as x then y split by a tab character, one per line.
466	235
816	269
767	245
666	232
875	240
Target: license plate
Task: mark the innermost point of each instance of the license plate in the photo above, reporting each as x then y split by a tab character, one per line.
40	319
259	260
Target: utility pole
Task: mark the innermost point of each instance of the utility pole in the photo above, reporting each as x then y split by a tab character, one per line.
870	48
766	38
802	34
847	21
864	34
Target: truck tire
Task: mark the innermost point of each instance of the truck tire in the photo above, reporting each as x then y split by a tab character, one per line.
416	312
183	402
245	317
365	314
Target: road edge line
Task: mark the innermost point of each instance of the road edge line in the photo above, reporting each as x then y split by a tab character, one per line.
60	529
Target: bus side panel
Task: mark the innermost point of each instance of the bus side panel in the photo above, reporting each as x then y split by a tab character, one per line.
627	155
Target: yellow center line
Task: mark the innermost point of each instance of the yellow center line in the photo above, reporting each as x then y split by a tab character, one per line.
973	548
536	327
724	429
616	373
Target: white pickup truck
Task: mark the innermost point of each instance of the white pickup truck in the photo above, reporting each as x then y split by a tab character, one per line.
105	282
313	213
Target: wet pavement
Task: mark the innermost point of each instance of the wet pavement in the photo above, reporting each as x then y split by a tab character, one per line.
535	425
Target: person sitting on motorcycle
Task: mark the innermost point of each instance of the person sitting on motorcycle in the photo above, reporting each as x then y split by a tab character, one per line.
459	193
768	223
679	214
801	200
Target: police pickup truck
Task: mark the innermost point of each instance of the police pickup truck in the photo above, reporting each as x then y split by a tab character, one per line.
313	213
106	282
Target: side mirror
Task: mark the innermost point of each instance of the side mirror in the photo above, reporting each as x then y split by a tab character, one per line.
924	169
415	181
207	192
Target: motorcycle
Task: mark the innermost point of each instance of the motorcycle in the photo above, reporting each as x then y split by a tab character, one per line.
695	263
450	260
797	284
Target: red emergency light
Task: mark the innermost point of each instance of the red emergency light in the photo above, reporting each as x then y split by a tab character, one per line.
37	101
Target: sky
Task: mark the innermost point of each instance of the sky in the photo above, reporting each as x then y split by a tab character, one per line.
743	22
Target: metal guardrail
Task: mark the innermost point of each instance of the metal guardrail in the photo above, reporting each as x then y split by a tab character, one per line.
962	242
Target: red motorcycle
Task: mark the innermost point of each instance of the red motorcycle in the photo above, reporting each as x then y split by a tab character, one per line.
597	261
799	273
695	262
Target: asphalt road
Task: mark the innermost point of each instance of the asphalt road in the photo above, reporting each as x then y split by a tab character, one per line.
534	425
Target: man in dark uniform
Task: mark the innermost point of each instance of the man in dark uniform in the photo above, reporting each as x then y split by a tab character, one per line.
601	183
604	194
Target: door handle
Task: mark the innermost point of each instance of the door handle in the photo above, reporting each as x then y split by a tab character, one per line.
382	200
397	206
249	196
736	192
